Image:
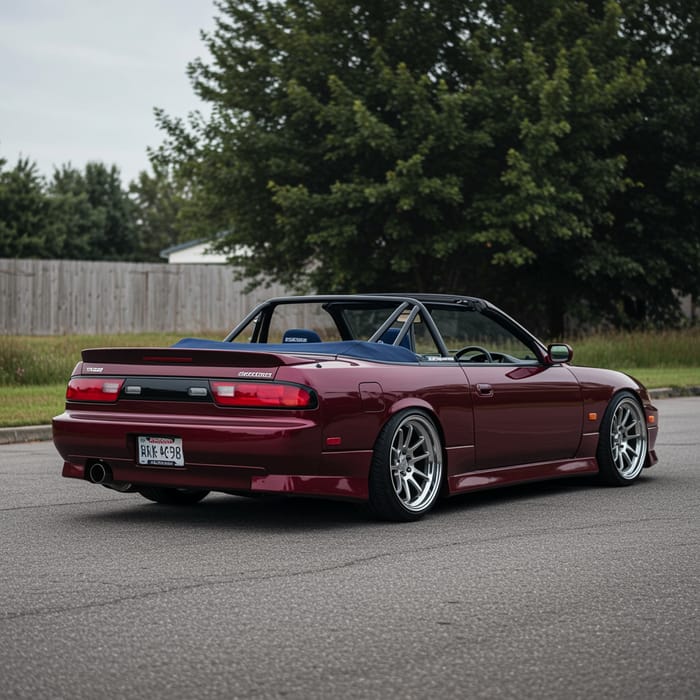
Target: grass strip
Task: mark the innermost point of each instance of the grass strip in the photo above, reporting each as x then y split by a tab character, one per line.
662	377
642	349
30	405
40	360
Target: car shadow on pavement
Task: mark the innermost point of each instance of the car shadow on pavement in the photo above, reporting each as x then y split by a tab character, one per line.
536	491
278	513
237	512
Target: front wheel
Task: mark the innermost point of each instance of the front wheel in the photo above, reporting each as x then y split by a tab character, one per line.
622	448
406	471
172	497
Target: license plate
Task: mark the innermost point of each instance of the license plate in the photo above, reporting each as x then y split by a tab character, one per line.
160	451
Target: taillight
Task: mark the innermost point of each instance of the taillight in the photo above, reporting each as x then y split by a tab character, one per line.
105	389
261	395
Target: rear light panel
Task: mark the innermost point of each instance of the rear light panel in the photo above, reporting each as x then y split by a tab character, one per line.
240	394
101	389
262	395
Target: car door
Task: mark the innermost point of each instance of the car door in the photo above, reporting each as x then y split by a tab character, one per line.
524	415
525	411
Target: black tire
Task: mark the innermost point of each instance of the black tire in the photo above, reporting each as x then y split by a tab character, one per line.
171	496
406	472
623	441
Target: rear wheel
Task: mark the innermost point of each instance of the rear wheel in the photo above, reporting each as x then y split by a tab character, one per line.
173	497
622	448
406	471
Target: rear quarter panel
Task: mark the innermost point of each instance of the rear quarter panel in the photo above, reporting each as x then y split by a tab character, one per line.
357	398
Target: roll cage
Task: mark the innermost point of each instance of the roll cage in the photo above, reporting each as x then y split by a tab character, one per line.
401	309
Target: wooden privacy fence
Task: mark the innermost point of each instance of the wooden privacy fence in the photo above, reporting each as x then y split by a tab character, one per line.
57	297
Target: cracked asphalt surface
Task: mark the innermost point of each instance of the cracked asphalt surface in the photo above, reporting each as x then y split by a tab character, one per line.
563	589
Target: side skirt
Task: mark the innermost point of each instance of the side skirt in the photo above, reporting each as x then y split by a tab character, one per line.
518	474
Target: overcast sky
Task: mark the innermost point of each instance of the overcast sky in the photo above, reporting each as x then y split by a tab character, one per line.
79	78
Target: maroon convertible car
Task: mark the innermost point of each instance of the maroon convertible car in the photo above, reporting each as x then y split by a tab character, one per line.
389	399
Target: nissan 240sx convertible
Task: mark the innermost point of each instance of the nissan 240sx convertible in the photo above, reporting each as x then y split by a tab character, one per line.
390	399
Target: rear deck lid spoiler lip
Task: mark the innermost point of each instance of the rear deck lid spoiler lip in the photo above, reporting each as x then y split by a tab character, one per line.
187	357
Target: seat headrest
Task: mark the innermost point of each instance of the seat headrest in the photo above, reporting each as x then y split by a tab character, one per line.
390	336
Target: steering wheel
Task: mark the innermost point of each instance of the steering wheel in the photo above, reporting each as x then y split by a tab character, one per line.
473	348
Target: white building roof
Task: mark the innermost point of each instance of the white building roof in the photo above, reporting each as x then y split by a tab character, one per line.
197	251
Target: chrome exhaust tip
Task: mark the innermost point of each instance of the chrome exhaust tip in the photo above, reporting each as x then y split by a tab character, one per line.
100	473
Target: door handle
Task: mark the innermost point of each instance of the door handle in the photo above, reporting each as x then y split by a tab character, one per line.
484	389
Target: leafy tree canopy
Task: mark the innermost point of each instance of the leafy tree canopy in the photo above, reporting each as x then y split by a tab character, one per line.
24	210
94	217
160	201
478	146
85	215
656	236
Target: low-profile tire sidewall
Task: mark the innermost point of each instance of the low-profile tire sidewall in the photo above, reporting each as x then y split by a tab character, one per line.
608	473
383	500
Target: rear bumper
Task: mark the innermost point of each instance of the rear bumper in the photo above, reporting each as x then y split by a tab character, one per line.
270	454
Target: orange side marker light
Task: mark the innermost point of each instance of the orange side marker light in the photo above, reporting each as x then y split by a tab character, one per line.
652	419
592	416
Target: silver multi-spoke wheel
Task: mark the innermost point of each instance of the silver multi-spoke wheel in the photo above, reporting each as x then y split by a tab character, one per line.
628	438
623	447
407	468
415	462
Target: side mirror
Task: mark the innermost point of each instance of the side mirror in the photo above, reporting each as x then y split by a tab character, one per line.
558	353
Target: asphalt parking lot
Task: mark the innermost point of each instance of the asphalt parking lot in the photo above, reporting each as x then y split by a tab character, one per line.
563	589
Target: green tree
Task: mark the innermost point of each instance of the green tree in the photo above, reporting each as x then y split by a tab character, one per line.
93	216
450	146
158	200
24	212
114	236
656	237
80	215
73	218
